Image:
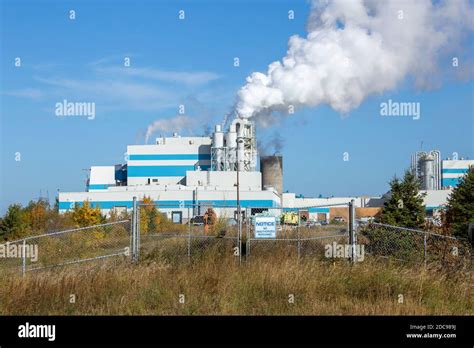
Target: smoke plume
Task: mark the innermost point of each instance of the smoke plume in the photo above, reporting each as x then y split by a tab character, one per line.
166	125
357	48
271	146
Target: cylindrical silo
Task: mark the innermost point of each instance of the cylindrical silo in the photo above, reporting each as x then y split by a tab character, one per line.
271	168
218	137
428	182
231	145
241	154
218	145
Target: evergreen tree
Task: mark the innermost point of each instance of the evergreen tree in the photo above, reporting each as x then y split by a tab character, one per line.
15	223
405	207
460	207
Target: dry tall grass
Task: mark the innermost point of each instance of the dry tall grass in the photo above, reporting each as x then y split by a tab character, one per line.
218	285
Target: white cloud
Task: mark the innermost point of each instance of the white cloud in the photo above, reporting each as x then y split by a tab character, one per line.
113	92
120	87
187	78
30	93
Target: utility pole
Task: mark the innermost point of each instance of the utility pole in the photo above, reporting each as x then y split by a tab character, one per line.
352	231
239	210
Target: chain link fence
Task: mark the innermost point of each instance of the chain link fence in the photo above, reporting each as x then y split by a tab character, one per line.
68	247
297	232
412	245
185	233
179	233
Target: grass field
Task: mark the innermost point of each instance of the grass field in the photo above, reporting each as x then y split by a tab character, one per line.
217	285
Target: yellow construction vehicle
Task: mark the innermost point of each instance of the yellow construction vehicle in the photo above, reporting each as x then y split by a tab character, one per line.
290	218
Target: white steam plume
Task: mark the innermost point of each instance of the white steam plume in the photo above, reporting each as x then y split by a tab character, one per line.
175	124
355	48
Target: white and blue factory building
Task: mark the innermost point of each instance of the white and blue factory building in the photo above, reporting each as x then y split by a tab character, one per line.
181	172
438	177
184	176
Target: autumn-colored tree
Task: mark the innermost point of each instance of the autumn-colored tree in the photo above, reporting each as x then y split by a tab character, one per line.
57	221
84	215
37	214
151	220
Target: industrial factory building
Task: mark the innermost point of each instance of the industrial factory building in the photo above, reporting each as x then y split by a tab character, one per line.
437	174
186	175
181	172
438	177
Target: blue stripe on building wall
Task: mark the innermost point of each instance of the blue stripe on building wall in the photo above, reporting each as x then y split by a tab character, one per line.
260	203
150	171
217	203
450	182
430	208
311	209
169	157
455	170
99	186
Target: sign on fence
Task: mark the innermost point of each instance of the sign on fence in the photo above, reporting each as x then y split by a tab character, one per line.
265	227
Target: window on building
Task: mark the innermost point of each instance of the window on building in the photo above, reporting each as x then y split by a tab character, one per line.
255	211
177	217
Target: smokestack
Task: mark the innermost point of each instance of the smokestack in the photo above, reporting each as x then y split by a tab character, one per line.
272	172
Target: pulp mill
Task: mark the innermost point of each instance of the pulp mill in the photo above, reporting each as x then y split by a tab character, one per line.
184	176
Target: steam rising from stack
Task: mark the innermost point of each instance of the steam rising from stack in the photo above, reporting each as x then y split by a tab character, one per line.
178	123
357	48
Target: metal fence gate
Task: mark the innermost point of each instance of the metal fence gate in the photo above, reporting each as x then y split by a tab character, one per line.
298	232
184	232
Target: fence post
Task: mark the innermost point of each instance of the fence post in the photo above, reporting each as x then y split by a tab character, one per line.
241	233
352	236
425	249
249	237
189	234
137	234
134	228
23	261
298	235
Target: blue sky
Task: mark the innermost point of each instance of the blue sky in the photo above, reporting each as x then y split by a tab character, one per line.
189	62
